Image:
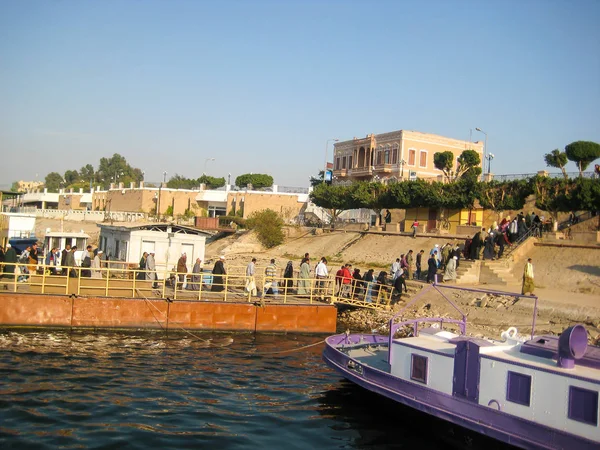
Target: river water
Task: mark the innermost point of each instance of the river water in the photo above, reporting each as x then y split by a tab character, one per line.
222	391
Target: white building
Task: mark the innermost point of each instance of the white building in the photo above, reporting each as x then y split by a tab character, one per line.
127	243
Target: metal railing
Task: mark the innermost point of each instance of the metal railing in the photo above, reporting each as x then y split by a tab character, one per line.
533	231
121	280
578	219
524	176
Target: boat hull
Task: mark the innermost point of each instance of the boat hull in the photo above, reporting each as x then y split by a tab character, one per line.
485	420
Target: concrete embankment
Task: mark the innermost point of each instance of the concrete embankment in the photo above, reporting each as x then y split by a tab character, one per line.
61	311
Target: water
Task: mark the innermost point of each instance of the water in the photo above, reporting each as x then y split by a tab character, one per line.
139	391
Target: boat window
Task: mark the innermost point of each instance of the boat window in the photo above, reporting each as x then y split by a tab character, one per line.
518	389
418	368
583	405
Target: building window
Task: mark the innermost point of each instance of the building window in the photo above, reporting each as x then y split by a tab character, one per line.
583	405
395	154
412	157
423	159
350	162
387	155
337	163
418	370
217	211
344	162
518	389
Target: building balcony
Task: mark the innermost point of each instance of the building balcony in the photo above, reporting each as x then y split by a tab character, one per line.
340	173
361	171
383	168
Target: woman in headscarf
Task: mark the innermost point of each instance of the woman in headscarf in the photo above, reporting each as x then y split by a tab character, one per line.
304	277
488	249
381	281
218	272
196	277
450	273
357	283
95	267
368	282
288	275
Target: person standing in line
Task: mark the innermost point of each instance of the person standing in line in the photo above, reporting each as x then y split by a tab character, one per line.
322	274
218	272
10	264
196	277
288	277
357	283
33	257
270	286
528	284
141	275
150	269
419	264
410	265
182	269
346	281
395	266
368	282
450	273
304	277
95	267
250	278
63	259
51	261
338	280
432	267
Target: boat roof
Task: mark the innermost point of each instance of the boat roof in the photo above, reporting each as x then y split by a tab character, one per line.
547	347
161	227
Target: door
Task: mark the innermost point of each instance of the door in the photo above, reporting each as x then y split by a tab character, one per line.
148	246
431	219
466	371
188	249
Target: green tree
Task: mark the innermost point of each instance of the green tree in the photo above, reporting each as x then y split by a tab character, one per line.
334	198
468	165
444	161
180	182
558	160
71	176
257	180
14	186
116	169
582	153
86	173
211	182
268	226
53	182
507	195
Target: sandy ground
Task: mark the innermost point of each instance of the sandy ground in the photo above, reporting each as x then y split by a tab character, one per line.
568	280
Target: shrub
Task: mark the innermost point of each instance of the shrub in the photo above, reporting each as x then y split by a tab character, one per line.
268	226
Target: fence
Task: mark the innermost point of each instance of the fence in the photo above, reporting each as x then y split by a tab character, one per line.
118	279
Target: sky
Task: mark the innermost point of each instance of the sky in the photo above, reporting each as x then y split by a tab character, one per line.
261	86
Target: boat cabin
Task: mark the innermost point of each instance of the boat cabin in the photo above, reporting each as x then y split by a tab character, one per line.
536	380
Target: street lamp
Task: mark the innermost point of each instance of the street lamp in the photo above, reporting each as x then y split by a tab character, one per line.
327	145
402	162
206	162
484	147
489	157
165	176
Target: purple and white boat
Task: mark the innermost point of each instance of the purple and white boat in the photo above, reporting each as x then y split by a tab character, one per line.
537	393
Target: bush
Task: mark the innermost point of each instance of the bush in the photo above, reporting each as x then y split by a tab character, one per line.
268	226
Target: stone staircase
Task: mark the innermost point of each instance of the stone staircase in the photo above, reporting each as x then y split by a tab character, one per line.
497	272
468	272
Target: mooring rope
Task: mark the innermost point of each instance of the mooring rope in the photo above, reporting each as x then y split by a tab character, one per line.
208	341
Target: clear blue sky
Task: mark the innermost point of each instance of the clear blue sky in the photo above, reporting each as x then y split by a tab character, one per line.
261	85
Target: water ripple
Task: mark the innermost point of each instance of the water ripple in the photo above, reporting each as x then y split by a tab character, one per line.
146	390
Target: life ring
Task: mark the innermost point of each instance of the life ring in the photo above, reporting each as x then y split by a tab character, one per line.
495	403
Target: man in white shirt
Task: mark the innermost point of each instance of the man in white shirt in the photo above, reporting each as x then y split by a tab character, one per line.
250	280
322	274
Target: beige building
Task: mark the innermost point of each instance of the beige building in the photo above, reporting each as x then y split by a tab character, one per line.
398	155
26	186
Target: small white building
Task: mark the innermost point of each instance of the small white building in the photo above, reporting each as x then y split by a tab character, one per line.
128	242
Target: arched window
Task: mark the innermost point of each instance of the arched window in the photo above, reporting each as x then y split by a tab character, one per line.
395	154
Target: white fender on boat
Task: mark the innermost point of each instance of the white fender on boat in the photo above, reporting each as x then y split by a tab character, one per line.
511	333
